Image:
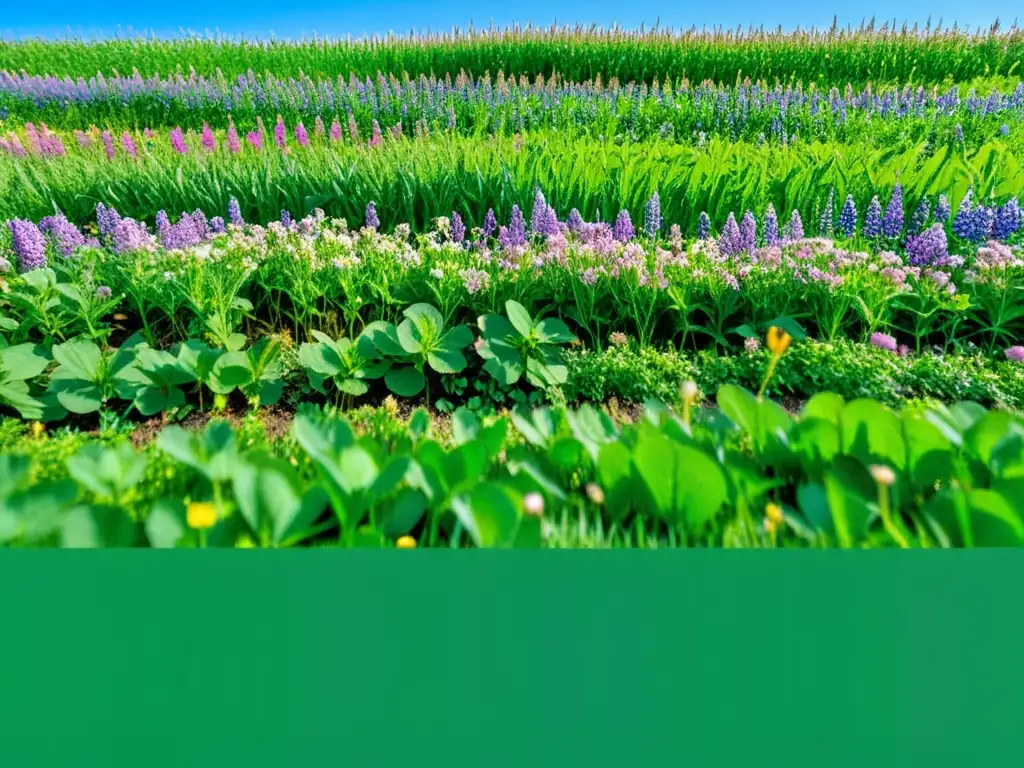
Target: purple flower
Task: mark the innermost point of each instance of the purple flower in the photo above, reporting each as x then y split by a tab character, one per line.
983	220
1015	354
873	221
623	230
474	280
280	133
1008	220
375	136
652	216
1004	129
539	216
103	292
771	227
731	241
575	221
490	223
235	212
963	222
286	218
703	226
372	222
255	138
748	232
178	141
65	235
234	146
209	141
29	245
826	223
301	135
106	219
217	225
848	217
130	235
516	234
920	219
958	133
108	144
884	341
892	222
795	228
128	144
930	248
353	129
942	210
335	130
458	229
163	222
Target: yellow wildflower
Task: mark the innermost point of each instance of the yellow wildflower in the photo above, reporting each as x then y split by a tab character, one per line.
406	542
201	515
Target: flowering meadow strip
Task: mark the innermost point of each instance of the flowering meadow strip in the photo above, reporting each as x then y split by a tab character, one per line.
868	53
188	277
669	110
297	167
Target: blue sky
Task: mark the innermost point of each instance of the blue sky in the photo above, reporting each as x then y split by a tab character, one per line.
258	18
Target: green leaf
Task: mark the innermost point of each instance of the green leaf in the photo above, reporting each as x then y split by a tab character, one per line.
95	526
494	327
490	513
22	362
404	513
554	331
79	359
405	381
166	525
519	317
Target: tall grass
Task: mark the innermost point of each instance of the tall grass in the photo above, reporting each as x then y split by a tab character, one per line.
883	54
416	180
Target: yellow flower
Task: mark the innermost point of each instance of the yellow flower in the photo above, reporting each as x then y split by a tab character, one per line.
778	341
37	428
201	514
406	542
773	512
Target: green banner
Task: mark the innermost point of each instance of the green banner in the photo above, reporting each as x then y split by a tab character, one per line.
472	658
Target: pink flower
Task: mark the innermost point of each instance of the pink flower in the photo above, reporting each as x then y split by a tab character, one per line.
1015	354
884	341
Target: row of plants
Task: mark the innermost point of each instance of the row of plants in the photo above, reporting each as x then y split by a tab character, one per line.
357	109
199	278
506	369
744	473
415	181
870	53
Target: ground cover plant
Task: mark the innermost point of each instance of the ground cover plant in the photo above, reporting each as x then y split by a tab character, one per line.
700	289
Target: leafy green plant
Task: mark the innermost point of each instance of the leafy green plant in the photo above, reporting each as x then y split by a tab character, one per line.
420	344
348	364
521	345
87	377
18	366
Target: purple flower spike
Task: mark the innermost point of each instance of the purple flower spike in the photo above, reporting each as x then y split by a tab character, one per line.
892	222
29	245
771	227
748	232
178	141
652	216
209	140
235	212
372	222
623	230
516	228
490	223
703	226
873	221
795	228
731	241
1015	354
458	229
848	217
